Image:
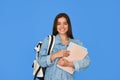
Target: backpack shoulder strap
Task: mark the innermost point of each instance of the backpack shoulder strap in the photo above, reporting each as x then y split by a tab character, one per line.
51	43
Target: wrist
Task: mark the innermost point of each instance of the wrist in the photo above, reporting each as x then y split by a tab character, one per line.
71	64
53	57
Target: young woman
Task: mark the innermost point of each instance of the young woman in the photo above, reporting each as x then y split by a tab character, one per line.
63	35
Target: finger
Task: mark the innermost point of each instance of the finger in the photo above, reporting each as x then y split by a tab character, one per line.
67	54
61	59
65	61
61	63
68	51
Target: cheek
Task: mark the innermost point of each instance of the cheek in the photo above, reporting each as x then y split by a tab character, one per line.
66	27
58	27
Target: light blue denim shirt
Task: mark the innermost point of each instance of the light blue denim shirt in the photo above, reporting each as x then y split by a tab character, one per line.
52	71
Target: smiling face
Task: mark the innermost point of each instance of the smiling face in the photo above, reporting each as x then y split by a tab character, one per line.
62	25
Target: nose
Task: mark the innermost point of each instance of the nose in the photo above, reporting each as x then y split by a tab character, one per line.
62	25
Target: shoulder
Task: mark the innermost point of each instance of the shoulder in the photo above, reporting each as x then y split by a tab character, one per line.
45	41
48	38
77	41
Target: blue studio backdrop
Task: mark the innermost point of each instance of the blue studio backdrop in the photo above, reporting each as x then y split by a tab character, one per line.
25	22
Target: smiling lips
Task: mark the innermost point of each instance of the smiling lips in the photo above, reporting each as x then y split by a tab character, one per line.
62	29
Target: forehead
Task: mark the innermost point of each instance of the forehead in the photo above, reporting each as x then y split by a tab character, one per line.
62	19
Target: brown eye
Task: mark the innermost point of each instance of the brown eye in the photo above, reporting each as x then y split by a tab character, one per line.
65	23
58	23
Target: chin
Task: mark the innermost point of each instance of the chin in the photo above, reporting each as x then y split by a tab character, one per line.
62	32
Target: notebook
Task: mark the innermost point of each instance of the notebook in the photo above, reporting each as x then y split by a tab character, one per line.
76	53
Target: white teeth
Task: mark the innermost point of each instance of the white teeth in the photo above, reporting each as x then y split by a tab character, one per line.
62	29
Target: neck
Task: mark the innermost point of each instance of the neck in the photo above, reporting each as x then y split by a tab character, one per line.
63	37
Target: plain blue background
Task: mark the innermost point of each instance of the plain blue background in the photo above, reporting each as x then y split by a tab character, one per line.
24	22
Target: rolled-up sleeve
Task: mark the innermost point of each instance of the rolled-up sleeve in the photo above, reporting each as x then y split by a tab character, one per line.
44	58
82	64
48	60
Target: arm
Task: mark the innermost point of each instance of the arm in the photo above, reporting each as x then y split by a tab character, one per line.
65	63
47	60
77	65
82	64
44	58
59	54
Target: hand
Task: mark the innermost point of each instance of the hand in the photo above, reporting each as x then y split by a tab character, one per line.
65	63
59	54
62	53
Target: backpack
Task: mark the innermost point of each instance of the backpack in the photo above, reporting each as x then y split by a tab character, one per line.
38	71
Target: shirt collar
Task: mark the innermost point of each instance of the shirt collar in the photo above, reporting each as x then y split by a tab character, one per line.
58	41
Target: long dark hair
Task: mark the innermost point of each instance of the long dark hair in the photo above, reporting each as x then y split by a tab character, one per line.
69	32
